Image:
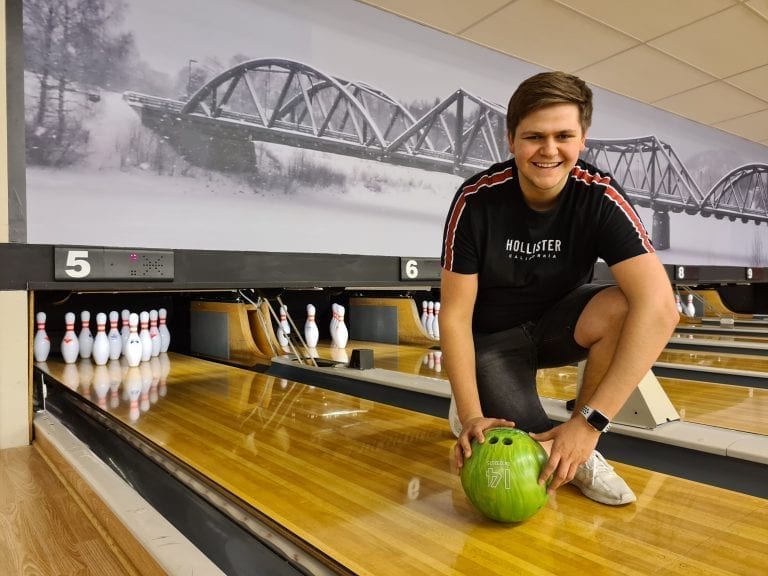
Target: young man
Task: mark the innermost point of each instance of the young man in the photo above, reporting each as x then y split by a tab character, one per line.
520	243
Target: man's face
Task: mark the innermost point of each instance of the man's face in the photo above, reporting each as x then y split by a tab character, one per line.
546	145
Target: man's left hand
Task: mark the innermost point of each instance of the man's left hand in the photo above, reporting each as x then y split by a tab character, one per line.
573	443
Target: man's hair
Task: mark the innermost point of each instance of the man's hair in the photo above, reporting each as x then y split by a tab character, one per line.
546	89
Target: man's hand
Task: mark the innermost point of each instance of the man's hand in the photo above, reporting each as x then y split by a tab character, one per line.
573	443
474	428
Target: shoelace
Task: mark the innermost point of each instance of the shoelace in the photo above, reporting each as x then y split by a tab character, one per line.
596	462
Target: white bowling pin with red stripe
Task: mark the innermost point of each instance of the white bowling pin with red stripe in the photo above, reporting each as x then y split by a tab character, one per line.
133	347
146	340
691	308
42	344
125	328
165	334
342	334
85	338
311	331
115	340
154	333
100	349
70	345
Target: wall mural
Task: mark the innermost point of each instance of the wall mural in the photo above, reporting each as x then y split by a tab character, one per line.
293	127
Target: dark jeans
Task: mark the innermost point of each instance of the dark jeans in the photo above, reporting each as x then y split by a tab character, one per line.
506	361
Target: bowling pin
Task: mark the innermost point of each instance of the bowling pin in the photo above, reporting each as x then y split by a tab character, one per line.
691	308
154	332
311	331
284	329
332	326
678	303
133	347
424	305
430	317
125	329
115	340
100	349
436	322
70	345
165	334
85	338
146	339
342	334
42	344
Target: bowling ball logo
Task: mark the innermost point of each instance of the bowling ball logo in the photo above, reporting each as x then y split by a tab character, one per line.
501	478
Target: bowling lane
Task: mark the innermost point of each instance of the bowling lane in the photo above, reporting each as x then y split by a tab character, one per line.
713	362
403	358
723	405
371	486
733	344
728	406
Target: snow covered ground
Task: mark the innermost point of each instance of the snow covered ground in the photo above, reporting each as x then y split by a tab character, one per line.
375	208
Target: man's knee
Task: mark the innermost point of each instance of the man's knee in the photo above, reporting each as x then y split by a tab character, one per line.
602	317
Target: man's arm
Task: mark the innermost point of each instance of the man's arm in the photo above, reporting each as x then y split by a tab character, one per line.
458	293
649	321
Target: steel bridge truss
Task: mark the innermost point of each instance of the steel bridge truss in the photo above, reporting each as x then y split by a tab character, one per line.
285	101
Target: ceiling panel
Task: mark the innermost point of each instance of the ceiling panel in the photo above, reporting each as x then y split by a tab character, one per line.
706	60
518	29
645	74
759	6
727	43
712	103
752	126
448	15
754	81
641	19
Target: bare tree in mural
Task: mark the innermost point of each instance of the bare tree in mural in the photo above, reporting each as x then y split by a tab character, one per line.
71	52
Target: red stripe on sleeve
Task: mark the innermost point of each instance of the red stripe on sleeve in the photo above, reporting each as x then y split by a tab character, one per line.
486	181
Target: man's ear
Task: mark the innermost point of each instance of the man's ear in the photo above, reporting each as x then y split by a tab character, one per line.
511	142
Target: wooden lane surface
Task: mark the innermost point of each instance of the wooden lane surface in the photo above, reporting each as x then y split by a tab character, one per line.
372	487
721	340
715	305
724	405
714	361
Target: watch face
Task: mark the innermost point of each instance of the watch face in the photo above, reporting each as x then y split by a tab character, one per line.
598	421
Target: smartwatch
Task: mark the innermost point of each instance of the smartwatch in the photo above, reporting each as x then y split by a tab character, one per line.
596	419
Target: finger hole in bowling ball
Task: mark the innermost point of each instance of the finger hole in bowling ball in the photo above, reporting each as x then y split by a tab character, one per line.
507	441
493	440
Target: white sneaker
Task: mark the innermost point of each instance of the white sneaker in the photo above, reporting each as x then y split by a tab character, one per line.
597	480
453	419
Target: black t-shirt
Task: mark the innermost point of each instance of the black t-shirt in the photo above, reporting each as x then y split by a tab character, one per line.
527	260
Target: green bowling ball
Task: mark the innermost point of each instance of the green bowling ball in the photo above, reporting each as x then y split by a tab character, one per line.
501	478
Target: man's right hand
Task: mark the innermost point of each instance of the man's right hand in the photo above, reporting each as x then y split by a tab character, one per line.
475	428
